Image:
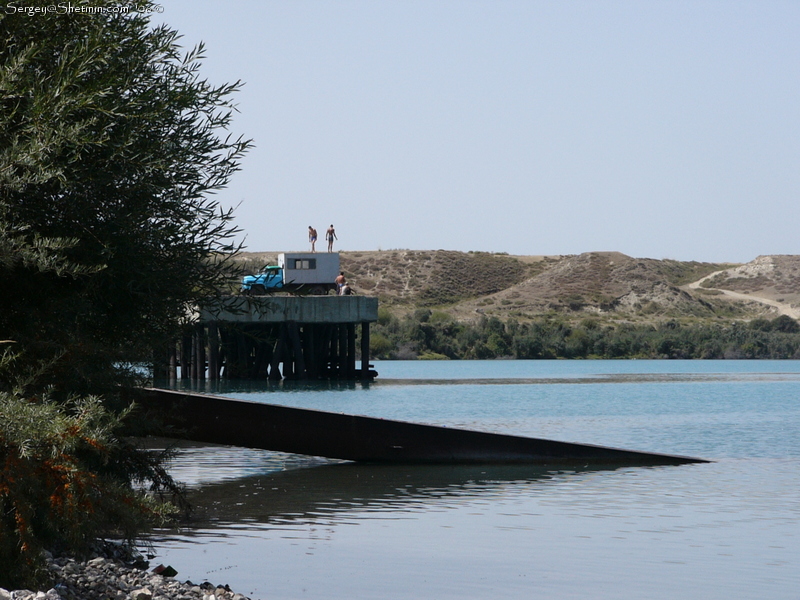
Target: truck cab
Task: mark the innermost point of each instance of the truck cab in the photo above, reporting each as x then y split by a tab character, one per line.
296	272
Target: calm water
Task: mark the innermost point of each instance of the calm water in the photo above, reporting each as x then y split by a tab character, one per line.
283	526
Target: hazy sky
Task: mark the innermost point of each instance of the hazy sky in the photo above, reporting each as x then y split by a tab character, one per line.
660	129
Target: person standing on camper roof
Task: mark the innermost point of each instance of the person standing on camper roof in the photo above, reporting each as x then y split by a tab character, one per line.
312	237
330	235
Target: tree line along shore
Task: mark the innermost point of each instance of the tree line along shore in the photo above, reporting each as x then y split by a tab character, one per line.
431	335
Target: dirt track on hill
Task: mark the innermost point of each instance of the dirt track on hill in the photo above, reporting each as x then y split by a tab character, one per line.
784	308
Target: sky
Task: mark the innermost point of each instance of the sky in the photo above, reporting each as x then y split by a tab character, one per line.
653	128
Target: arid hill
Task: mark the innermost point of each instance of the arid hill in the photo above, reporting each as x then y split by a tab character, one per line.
771	280
469	285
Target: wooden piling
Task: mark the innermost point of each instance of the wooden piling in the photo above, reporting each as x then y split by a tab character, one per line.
213	351
319	344
200	352
173	362
186	353
351	351
365	350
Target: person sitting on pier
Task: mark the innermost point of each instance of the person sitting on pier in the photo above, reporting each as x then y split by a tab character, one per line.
346	291
340	282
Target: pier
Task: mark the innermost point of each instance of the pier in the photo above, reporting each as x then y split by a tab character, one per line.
274	337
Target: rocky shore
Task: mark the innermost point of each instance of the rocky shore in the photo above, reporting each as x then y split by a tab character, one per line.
118	578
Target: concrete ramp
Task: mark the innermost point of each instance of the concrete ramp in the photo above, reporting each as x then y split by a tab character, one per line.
219	420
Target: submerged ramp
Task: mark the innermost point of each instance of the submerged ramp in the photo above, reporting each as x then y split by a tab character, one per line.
219	420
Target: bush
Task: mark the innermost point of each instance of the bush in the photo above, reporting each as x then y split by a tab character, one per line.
66	480
785	324
380	346
432	356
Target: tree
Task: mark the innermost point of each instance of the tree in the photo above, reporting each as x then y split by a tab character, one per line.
110	146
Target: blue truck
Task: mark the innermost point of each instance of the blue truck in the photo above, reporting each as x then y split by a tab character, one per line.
296	272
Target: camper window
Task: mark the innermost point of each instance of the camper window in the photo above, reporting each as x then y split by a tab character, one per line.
305	263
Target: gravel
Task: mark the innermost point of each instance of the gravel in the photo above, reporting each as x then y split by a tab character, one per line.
117	575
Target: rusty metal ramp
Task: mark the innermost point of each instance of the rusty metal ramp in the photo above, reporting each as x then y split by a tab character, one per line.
219	420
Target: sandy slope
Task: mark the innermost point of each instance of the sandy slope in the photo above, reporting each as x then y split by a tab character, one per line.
783	308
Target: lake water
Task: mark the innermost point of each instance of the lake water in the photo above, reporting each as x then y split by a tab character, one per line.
283	526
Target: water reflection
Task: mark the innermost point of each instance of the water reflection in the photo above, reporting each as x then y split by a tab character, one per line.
335	490
245	386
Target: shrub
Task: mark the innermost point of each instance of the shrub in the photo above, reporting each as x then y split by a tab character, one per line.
385	316
785	324
66	480
433	356
380	346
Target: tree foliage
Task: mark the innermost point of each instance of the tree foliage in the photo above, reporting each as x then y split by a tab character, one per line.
423	334
110	146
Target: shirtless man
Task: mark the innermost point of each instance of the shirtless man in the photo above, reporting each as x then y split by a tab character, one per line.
340	282
312	237
330	235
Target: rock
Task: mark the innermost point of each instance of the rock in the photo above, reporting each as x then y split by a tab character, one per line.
142	594
169	571
108	577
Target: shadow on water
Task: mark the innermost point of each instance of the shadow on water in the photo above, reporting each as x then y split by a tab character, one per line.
335	490
286	385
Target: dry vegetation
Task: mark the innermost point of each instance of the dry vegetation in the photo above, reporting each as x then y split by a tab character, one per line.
603	284
431	278
775	277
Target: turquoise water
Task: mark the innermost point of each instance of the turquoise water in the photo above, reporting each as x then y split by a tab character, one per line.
281	526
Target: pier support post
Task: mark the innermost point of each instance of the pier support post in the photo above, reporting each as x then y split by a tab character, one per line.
351	351
341	367
200	352
213	351
278	355
365	350
186	353
297	351
173	362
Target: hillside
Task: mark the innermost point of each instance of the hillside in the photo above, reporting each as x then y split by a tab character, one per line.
772	280
610	285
